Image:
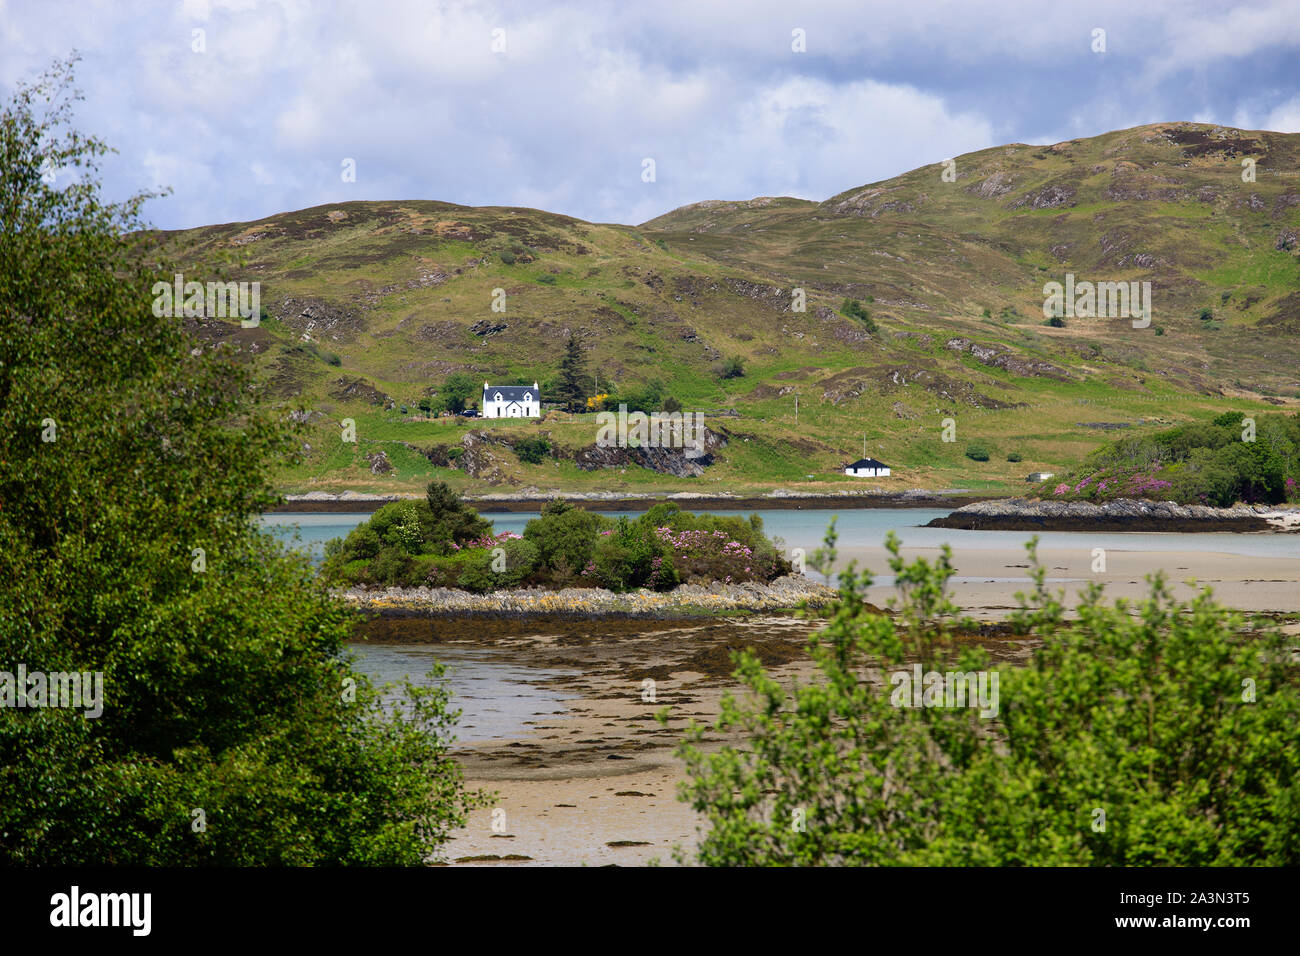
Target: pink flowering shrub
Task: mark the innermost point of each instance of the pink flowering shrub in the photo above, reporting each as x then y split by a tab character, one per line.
702	556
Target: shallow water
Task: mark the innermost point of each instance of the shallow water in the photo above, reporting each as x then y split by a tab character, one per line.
861	527
496	699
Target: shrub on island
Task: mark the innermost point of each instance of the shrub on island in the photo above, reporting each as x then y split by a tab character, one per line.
441	542
1229	459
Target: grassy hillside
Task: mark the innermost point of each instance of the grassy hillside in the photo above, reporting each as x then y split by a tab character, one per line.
369	306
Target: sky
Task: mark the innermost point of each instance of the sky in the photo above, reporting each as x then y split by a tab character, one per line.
559	105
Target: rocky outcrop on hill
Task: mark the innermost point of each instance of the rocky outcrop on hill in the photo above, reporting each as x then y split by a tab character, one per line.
478	460
358	389
666	461
1123	514
850	384
1008	361
379	463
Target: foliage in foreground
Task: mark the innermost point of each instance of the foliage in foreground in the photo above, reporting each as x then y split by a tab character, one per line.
132	464
1156	733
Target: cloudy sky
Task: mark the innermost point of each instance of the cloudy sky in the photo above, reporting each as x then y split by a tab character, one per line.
557	103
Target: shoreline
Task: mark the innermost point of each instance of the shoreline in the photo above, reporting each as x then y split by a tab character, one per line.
1121	514
684	602
354	502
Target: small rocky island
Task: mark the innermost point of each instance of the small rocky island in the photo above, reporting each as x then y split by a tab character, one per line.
439	557
1120	514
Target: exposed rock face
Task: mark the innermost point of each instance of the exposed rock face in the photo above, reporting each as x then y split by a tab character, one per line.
770	295
666	461
999	184
478	460
1009	361
851	383
875	200
320	319
1049	197
379	463
484	327
358	388
1123	514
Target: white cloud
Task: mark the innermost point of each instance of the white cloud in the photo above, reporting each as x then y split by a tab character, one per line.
411	90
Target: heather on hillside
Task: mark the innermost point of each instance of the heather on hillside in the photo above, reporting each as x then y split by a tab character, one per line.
1230	459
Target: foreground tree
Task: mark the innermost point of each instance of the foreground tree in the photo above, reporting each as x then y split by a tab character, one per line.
132	464
1164	733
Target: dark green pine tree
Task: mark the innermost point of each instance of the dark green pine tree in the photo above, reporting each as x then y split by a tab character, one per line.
573	383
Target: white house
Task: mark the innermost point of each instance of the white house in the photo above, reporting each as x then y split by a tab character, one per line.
511	401
867	468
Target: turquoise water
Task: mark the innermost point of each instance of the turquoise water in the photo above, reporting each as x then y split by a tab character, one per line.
859	527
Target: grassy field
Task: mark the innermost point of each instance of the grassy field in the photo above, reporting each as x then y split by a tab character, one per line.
370	306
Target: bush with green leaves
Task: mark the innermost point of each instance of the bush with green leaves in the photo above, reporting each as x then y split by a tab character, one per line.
1214	463
630	555
565	538
1160	733
532	450
508	565
733	367
854	309
134	464
456	392
977	451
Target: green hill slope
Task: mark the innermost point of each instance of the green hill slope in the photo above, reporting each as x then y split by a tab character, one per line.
369	306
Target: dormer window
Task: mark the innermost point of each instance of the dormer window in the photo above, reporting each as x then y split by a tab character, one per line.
498	396
528	396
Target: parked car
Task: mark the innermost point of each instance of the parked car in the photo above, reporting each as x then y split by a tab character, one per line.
470	413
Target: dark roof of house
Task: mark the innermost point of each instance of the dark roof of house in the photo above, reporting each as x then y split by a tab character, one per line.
867	463
509	393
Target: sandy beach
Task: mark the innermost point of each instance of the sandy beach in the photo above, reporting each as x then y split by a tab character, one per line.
597	784
987	580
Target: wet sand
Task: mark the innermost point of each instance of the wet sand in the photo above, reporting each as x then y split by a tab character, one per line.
987	580
598	784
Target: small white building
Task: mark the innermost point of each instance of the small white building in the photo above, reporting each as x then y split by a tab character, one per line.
867	468
1041	476
511	401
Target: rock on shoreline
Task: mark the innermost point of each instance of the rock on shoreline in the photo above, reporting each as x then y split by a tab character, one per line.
686	600
1122	514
